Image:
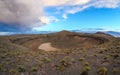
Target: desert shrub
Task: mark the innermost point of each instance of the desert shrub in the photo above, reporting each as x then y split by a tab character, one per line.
19	56
40	63
106	57
64	64
95	55
102	70
60	68
106	50
65	59
68	51
102	51
86	69
33	69
86	63
85	55
80	59
80	51
4	51
72	60
2	56
115	70
47	60
116	55
12	71
27	60
1	67
21	68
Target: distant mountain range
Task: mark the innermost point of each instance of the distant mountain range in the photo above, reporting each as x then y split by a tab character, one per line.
114	33
91	31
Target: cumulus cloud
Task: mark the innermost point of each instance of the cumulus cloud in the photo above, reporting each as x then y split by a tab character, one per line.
21	12
25	12
29	13
47	20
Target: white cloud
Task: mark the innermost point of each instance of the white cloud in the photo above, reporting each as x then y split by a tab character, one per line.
64	16
107	3
47	19
92	3
64	2
44	20
30	12
22	12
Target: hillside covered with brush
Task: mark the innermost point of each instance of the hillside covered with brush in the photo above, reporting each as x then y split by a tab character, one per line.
75	54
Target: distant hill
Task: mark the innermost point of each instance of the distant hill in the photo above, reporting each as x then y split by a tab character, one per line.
61	40
89	30
116	34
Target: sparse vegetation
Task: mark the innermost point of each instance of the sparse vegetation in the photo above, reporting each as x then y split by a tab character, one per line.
1	67
40	63
86	69
47	60
73	60
19	54
86	63
12	71
33	69
81	59
60	67
21	68
102	70
106	57
116	70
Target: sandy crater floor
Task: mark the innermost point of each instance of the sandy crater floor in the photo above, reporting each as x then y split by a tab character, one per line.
47	47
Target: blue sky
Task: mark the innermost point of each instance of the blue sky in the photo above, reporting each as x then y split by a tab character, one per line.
57	15
106	18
